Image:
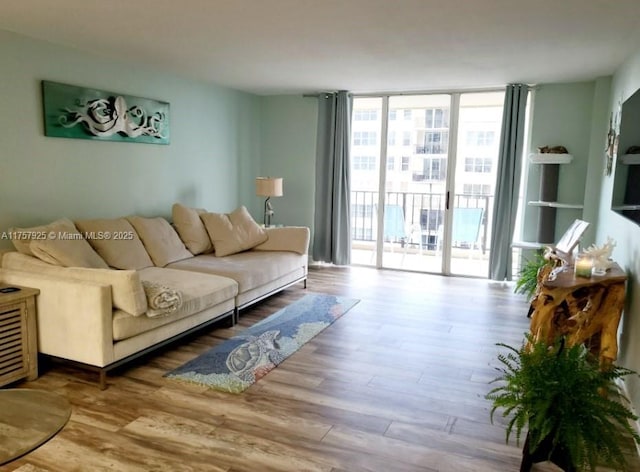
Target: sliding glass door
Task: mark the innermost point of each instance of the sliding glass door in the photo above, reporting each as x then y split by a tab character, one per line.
415	204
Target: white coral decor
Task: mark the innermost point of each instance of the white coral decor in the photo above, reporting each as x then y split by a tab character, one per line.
601	255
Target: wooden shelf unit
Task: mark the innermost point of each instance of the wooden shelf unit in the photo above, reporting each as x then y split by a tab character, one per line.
18	335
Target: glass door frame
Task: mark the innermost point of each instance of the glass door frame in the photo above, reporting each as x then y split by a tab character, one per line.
452	155
454	113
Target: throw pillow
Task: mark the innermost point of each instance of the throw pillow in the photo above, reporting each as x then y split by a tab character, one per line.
22	237
191	229
160	240
72	252
233	232
117	243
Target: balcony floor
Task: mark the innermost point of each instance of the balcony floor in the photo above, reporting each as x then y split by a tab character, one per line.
469	262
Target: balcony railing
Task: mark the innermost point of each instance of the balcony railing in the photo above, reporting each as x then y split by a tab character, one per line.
412	213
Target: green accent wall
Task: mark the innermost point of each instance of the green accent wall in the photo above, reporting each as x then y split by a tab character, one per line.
215	143
561	117
289	126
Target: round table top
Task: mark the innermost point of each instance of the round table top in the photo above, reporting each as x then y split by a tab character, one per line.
28	418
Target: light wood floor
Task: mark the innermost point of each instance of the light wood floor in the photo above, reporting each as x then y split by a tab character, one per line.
396	384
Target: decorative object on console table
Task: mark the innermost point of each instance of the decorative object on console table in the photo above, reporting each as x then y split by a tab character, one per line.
583	310
601	256
268	187
78	112
583	266
18	334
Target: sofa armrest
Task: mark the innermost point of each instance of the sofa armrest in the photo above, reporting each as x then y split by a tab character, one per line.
74	317
127	292
287	238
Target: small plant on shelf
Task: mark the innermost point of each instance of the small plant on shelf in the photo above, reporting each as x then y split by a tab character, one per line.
572	410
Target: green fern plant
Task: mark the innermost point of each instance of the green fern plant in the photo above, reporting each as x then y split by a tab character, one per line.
566	402
528	275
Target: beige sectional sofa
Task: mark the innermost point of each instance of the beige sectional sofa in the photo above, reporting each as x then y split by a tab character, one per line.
112	289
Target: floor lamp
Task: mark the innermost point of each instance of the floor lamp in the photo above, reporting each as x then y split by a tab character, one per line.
268	187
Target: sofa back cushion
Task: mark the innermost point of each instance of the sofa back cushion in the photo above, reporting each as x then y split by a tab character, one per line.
22	237
160	240
70	251
191	228
127	293
233	232
117	242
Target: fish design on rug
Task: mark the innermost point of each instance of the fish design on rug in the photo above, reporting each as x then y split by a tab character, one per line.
245	358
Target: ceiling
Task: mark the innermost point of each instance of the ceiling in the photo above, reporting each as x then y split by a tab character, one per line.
295	46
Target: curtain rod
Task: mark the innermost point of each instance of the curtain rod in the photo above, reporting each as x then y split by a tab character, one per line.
421	92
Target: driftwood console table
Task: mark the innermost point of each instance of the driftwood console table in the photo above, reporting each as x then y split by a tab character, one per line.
585	310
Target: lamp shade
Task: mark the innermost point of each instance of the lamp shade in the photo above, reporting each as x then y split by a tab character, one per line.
269	186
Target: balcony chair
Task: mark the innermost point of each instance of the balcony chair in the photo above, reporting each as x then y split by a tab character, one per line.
395	229
465	230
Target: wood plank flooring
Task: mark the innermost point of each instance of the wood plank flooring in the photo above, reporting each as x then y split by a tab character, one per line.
397	384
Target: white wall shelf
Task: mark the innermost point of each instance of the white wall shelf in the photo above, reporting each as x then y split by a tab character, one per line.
527	245
630	159
626	207
540	203
550	158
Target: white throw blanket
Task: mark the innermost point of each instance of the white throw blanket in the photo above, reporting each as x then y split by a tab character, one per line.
161	300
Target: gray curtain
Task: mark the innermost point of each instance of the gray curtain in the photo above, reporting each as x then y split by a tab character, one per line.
505	205
332	232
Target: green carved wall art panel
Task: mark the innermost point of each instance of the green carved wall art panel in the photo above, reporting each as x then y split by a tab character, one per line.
83	113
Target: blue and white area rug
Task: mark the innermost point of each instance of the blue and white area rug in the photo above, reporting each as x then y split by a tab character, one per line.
239	362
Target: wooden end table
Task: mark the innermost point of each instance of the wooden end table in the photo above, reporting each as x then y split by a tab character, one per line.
18	335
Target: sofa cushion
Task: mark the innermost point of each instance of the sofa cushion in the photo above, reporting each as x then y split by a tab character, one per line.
117	242
191	228
199	292
126	289
22	237
250	269
72	252
160	240
233	232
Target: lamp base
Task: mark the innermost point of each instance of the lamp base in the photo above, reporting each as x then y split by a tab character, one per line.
268	212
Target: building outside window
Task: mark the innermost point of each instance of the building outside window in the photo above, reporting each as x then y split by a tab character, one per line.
391	162
405	163
437	118
434	142
365	138
481	165
434	168
406	138
364	163
365	115
480	138
476	189
391	139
